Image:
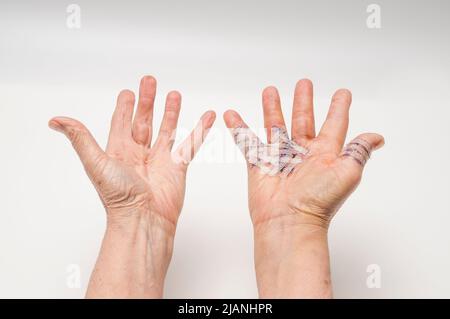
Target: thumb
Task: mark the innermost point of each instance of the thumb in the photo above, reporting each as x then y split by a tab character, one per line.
80	137
358	151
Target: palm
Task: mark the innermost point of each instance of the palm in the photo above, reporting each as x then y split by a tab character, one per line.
315	186
142	176
318	185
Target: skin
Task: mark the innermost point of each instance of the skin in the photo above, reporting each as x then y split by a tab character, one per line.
291	215
141	187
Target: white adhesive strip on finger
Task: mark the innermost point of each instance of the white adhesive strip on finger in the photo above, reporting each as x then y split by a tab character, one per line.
359	150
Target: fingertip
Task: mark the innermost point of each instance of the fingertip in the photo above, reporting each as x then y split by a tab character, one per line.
229	113
380	141
55	125
343	93
63	121
304	83
66	125
148	80
270	89
126	95
270	92
375	140
232	118
174	95
212	114
147	87
208	118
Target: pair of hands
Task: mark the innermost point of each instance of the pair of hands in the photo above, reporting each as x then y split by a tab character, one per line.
142	189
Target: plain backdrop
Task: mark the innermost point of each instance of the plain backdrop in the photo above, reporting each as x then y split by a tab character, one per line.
221	54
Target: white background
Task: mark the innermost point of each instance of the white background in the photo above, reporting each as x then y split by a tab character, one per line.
221	54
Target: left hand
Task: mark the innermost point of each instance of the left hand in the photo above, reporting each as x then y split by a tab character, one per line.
131	173
141	187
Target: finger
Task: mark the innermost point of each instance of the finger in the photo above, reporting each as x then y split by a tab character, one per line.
189	147
335	127
303	127
247	141
80	137
142	125
233	120
273	116
356	153
122	116
169	122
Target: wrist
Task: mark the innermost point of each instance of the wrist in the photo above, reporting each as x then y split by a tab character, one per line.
285	236
134	257
143	229
297	222
142	217
291	259
146	232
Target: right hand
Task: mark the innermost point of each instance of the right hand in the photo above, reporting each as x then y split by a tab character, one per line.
318	186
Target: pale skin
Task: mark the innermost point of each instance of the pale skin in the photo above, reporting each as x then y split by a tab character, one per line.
141	186
291	215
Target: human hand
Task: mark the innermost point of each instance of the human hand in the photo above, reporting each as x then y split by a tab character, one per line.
141	186
320	183
286	207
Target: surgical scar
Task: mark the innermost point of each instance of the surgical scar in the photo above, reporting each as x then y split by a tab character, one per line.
280	157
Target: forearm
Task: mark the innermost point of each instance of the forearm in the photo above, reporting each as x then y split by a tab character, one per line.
134	257
292	261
